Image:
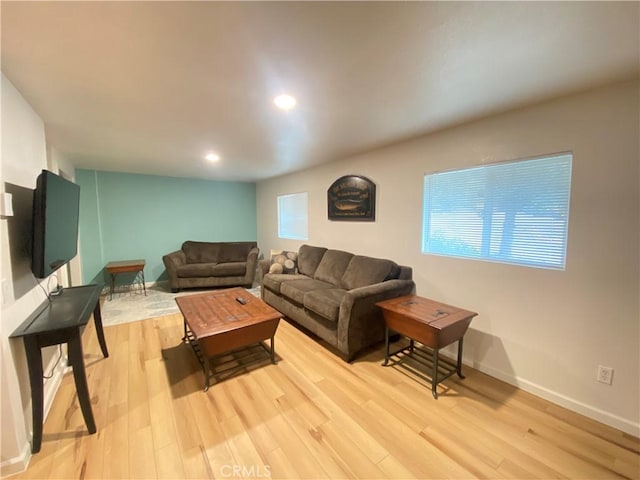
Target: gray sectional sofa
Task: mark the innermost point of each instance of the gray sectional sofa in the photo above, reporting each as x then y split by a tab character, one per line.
212	264
334	293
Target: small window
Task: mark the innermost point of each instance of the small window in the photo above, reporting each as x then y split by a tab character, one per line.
513	212
292	216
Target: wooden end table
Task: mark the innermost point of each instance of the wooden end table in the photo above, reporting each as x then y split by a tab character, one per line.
125	266
224	320
431	323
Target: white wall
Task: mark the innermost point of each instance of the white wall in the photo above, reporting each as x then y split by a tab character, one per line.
546	331
24	155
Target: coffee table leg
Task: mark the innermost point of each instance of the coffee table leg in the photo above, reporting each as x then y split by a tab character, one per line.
386	346
434	380
206	368
411	345
273	350
459	364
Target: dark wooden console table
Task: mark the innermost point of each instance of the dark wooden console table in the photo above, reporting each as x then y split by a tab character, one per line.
58	321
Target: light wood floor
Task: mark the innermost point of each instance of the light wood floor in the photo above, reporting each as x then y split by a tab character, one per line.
310	416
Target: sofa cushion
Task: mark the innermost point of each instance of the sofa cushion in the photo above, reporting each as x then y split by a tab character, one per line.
201	252
332	267
195	270
295	290
235	251
325	302
283	261
273	281
308	259
229	269
363	271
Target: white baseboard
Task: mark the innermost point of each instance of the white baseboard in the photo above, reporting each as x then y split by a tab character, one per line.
17	464
51	385
572	404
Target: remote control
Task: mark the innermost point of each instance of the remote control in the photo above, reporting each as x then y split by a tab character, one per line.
241	301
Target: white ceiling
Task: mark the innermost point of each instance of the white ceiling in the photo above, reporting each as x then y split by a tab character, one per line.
150	87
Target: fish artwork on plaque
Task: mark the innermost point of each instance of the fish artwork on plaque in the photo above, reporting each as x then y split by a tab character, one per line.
352	198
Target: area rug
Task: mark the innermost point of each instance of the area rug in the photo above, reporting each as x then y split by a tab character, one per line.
131	306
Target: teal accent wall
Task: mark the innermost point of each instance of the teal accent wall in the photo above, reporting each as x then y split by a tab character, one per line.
127	216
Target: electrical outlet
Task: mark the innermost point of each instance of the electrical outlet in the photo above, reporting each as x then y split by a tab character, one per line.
605	374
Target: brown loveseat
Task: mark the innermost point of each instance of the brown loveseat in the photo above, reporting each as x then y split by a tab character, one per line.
334	294
212	264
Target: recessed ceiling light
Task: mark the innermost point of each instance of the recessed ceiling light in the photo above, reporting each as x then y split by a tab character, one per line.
285	102
212	157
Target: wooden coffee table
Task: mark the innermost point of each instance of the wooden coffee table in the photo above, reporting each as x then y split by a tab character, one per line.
224	320
433	324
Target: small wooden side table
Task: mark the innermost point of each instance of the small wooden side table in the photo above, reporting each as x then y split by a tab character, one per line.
432	323
125	266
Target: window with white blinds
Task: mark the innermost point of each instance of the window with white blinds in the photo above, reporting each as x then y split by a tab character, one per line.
513	212
292	216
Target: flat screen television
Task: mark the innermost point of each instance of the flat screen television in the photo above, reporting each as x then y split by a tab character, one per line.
56	205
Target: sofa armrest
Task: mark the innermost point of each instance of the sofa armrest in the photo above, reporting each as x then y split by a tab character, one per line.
263	268
171	262
252	263
382	291
360	321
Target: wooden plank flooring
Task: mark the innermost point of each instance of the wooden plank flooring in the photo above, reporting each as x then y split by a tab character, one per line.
310	416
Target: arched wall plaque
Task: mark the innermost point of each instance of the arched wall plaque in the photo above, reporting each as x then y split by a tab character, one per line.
352	198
